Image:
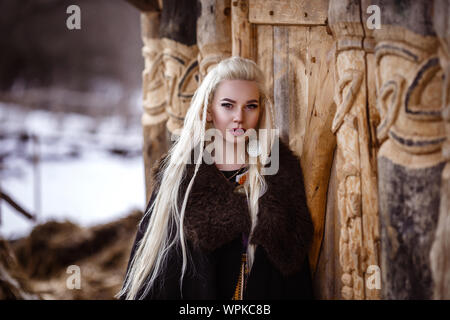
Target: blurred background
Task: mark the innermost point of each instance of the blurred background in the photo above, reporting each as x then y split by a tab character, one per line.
70	107
71	168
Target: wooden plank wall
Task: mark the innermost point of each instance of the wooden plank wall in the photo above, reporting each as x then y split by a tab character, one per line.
295	49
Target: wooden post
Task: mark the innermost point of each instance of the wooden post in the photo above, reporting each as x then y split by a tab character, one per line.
170	77
154	117
242	30
410	162
178	33
440	252
356	177
181	80
213	33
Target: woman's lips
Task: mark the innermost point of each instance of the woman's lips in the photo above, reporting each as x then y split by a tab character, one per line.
237	132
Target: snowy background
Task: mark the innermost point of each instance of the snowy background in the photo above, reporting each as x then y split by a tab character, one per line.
89	170
70	108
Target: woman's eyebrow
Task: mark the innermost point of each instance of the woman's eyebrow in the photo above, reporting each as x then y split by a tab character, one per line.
229	100
232	101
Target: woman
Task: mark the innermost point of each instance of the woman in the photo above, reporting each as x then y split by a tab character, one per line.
236	227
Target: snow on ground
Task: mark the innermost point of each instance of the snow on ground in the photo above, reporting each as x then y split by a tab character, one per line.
89	171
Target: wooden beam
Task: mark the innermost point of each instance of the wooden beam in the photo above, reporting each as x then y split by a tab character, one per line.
294	12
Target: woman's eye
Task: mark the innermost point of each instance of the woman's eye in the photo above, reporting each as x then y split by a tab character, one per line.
227	105
252	106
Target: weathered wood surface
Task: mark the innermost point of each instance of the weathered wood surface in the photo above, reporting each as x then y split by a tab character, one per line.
178	33
179	21
356	174
385	113
300	62
170	76
291	12
213	33
318	142
281	83
440	252
243	32
154	117
181	74
302	74
327	282
411	131
264	55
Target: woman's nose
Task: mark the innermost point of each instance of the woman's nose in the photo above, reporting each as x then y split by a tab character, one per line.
238	115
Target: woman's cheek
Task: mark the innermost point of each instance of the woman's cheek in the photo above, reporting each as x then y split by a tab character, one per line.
254	120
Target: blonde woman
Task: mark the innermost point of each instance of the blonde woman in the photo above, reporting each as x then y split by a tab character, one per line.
228	217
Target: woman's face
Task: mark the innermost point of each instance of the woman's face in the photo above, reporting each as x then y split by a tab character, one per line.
235	108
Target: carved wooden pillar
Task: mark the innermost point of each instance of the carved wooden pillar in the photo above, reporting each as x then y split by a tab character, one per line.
411	131
170	77
178	32
213	33
440	252
154	117
356	175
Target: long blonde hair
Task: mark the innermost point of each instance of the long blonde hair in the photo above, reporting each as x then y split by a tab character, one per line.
152	251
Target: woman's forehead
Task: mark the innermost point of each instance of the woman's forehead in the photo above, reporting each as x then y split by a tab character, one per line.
237	90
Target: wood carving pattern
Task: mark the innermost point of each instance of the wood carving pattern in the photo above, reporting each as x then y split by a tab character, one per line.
154	93
392	88
409	84
349	205
413	119
345	125
154	117
153	88
181	80
355	172
354	78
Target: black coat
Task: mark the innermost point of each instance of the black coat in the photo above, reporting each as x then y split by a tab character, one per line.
215	220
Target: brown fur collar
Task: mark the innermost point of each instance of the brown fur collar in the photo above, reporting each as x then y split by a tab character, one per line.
215	215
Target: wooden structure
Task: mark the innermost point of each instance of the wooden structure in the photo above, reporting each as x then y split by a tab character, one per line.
360	105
